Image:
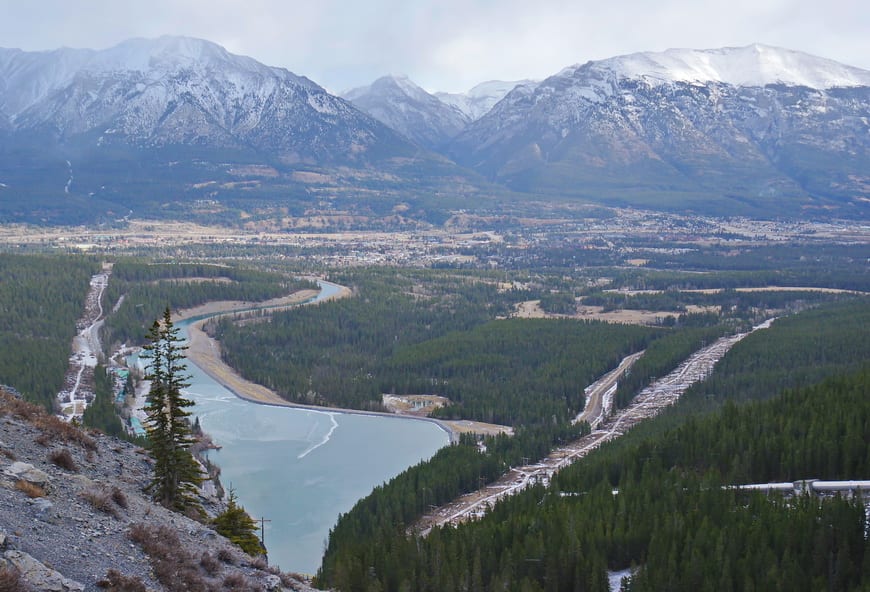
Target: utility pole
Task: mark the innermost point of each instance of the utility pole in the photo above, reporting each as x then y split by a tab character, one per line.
263	537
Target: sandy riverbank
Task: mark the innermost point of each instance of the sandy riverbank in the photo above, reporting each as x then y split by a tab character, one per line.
204	352
221	307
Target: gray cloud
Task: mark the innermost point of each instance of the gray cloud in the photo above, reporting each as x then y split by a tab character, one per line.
447	44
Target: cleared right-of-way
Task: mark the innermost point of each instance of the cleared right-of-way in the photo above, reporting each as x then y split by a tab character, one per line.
609	424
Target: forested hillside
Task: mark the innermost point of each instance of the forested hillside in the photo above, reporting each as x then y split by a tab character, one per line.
141	291
328	354
513	371
101	413
41	298
671	516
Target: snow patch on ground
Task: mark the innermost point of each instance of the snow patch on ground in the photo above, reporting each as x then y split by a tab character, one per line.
614	579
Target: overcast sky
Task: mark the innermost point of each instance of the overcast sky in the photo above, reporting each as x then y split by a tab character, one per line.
444	44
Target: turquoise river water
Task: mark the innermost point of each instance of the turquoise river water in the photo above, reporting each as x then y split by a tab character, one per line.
300	469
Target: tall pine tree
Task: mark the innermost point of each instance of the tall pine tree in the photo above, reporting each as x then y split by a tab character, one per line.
177	475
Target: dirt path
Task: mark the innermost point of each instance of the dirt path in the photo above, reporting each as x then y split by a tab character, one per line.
79	379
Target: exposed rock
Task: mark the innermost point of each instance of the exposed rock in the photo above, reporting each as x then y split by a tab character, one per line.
38	575
66	540
27	472
43	508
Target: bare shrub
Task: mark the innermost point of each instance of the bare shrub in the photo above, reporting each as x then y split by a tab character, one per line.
8	454
30	489
62	458
289	580
259	563
172	565
101	500
116	582
235	581
55	429
18	408
10	581
209	564
138	533
120	498
226	556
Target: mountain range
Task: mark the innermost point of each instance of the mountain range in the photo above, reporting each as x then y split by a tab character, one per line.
754	124
167	125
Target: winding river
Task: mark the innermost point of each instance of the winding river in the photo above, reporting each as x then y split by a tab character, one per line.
301	468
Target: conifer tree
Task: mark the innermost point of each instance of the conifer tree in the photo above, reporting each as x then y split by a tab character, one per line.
177	475
235	524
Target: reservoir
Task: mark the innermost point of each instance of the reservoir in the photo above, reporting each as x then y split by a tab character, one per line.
299	468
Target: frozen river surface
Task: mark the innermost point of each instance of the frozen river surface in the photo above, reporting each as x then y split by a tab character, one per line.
300	468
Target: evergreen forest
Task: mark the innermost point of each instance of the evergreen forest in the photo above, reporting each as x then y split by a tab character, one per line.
139	291
41	298
658	500
659	504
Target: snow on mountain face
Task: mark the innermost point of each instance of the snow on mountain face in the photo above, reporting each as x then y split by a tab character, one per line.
176	90
757	122
405	107
478	101
28	77
754	65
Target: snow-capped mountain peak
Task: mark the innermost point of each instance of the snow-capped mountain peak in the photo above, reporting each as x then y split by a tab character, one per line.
751	66
477	102
180	91
396	84
758	122
32	77
402	105
143	55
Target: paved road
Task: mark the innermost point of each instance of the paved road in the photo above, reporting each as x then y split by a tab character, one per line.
599	394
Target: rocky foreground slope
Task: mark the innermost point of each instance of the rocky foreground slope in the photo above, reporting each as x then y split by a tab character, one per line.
73	516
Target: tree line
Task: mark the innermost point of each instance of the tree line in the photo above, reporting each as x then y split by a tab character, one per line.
41	298
140	291
326	354
513	371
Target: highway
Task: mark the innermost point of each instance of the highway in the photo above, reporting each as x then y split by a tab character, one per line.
609	425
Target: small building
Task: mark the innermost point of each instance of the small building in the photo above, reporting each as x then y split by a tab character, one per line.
137	428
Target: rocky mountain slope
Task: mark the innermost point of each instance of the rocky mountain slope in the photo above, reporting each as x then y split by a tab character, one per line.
403	106
754	129
176	90
429	120
182	128
73	517
151	122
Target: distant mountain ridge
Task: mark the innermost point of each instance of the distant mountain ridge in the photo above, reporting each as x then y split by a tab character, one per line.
405	107
720	130
752	65
429	120
477	101
151	122
176	90
179	125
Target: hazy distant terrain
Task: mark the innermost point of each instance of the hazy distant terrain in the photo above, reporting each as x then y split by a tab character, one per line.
180	128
